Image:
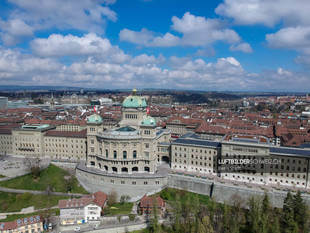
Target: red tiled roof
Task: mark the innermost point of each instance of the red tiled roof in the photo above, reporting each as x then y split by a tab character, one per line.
98	198
149	201
74	134
4	226
75	202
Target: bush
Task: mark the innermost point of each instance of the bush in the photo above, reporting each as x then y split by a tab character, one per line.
124	199
132	217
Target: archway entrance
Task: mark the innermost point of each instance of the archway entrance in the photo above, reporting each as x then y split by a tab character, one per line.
165	159
125	169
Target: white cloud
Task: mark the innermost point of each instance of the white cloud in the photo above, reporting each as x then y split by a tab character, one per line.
266	12
292	38
107	66
142	37
14	30
32	15
147	59
69	45
243	47
296	38
195	30
168	40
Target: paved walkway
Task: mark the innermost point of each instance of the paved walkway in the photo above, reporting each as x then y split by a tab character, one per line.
9	190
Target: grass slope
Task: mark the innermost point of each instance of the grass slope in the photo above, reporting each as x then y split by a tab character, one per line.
118	209
170	194
53	176
13	202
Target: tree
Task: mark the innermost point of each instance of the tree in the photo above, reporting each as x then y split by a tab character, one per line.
124	199
275	225
69	183
205	225
154	226
300	212
288	222
266	217
112	197
34	166
254	216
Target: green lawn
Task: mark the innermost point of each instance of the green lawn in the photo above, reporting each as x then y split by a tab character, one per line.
118	209
169	194
2	176
13	217
53	176
13	202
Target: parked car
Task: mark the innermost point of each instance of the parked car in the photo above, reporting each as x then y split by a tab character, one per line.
77	229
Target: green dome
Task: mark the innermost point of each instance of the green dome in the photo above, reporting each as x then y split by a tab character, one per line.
133	101
94	119
148	121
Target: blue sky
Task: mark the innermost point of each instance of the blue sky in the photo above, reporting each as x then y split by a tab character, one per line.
237	45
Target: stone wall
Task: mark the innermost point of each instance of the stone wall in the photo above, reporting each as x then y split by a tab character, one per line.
227	193
93	182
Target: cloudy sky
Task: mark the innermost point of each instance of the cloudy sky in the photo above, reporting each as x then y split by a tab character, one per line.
247	45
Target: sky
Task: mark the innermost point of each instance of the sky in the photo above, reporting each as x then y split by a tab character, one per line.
228	45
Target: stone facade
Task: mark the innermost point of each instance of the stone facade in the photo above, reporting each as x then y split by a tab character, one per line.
194	155
6	143
125	158
28	140
290	166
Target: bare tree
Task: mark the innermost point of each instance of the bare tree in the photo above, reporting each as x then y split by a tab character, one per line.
34	166
112	197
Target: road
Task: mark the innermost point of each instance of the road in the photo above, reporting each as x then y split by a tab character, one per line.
120	228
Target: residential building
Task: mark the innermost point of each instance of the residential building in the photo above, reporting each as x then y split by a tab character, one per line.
84	209
148	203
33	224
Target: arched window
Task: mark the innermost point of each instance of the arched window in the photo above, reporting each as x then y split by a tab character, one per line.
115	154
92	163
106	153
106	168
134	154
146	169
114	169
125	169
135	169
124	154
99	165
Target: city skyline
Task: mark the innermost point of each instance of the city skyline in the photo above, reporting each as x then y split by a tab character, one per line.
224	45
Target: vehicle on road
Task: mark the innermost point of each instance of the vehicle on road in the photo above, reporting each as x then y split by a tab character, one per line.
77	229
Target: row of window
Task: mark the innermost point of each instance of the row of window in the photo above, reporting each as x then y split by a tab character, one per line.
134	154
131	116
114	169
62	145
193	150
200	157
192	162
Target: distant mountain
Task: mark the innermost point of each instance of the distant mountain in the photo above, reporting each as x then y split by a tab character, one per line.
34	88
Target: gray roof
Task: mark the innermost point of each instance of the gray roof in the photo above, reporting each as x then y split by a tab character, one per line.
290	151
195	142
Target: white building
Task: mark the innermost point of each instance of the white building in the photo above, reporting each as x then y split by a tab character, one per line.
85	209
